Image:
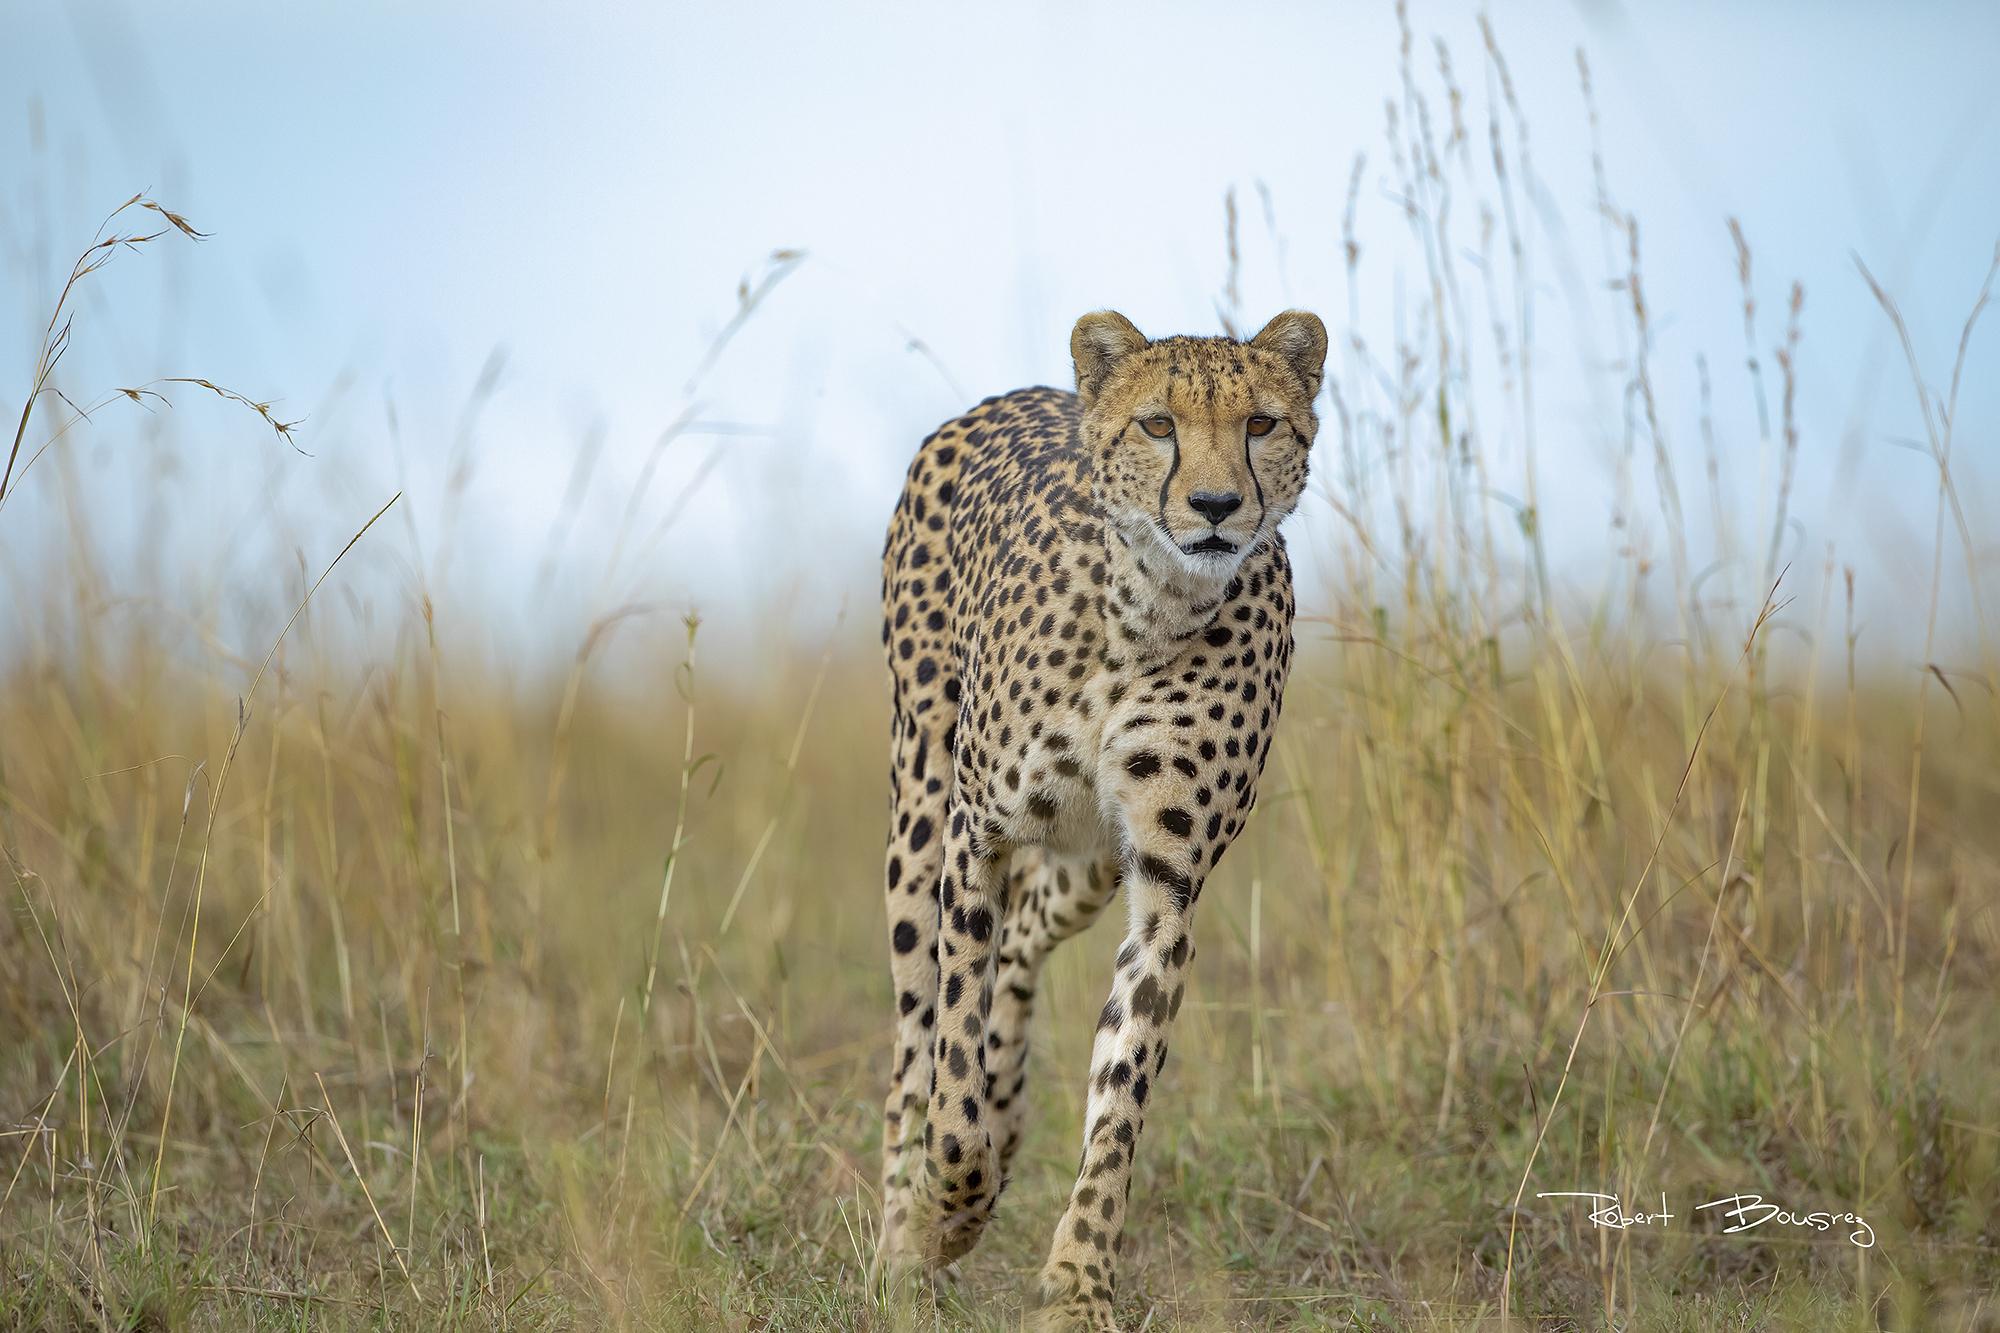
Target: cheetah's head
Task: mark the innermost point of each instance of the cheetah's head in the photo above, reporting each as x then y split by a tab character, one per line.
1199	443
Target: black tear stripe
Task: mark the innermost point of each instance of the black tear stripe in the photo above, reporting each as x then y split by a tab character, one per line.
1262	509
1168	481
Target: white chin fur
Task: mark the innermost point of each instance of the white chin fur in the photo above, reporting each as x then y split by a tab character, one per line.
1203	565
1210	564
1163	557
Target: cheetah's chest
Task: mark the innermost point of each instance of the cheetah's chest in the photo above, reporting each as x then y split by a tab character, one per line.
1046	792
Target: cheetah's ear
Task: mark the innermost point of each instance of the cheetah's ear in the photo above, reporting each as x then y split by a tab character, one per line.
1098	343
1299	337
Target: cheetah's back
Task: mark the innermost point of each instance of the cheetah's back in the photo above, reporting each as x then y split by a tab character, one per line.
993	485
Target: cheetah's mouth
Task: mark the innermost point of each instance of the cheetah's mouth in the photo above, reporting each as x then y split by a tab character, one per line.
1213	544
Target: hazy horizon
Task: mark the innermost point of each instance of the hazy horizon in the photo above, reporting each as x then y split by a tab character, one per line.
570	235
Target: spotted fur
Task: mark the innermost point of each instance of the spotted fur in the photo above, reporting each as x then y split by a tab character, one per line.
1088	616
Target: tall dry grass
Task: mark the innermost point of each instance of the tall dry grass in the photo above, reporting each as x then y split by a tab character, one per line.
414	993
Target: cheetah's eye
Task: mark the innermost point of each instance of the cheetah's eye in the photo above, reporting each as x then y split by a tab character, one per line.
1158	427
1260	425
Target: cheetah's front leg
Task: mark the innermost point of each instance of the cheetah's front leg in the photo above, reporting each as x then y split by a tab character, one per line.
1126	1060
962	1172
1175	829
1049	899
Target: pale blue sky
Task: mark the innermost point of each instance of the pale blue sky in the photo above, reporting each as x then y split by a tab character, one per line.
397	191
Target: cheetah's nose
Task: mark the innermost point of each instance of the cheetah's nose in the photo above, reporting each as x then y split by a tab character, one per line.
1215	505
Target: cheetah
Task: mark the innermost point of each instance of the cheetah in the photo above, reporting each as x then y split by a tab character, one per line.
1087	611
